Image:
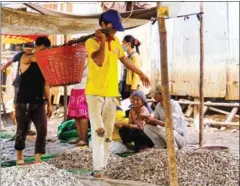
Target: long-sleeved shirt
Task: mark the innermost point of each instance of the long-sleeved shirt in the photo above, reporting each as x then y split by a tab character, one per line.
179	123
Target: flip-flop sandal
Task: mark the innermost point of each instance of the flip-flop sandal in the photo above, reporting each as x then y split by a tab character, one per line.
100	132
81	144
75	141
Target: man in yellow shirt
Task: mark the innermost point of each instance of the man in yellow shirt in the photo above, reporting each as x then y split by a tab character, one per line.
102	85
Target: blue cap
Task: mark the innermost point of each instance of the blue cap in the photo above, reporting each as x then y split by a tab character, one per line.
113	17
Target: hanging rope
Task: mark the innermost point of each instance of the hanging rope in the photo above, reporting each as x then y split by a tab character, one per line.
132	7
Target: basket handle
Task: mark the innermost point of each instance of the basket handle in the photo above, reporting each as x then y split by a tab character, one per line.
84	38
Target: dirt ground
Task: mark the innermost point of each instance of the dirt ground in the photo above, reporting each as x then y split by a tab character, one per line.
212	136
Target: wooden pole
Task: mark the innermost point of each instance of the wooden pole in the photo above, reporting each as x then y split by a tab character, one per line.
201	86
173	177
65	91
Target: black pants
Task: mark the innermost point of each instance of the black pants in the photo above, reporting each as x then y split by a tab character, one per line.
37	114
137	136
15	99
125	93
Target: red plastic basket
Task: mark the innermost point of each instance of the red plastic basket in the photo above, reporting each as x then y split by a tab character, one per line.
63	65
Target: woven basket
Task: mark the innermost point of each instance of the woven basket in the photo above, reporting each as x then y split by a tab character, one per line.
63	65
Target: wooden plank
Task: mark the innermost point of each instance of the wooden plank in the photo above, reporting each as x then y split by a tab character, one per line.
196	108
232	82
218	123
209	103
231	115
221	111
189	111
196	119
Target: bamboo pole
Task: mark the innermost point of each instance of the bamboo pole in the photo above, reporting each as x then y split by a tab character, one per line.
173	177
201	86
65	91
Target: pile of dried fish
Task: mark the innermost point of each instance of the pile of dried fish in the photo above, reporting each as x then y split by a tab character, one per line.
194	168
37	175
77	158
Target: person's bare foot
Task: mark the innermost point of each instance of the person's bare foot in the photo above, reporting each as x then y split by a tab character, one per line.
20	159
98	174
38	158
20	162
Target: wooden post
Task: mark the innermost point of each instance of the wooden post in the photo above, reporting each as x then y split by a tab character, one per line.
201	113
231	115
173	177
65	91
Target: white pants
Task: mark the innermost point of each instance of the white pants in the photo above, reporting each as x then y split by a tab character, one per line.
158	136
102	113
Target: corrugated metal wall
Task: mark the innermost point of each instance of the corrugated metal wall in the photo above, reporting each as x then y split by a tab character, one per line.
221	42
221	32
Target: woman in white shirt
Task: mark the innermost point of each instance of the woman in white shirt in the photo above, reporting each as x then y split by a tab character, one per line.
78	110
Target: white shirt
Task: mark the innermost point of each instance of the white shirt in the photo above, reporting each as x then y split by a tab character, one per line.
81	85
179	123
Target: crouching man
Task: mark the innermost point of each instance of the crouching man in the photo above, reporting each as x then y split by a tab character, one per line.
155	127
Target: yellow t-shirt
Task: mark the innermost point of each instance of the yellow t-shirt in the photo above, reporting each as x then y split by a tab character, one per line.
103	81
132	78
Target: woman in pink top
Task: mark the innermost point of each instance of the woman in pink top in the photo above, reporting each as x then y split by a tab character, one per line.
133	131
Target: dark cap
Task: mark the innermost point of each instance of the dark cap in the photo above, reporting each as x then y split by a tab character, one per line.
113	17
28	45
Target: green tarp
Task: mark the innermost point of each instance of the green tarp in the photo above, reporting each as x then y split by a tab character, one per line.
67	131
